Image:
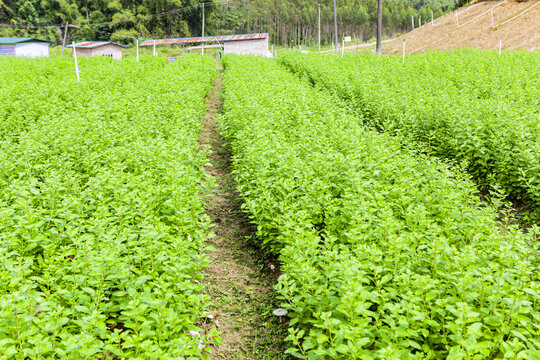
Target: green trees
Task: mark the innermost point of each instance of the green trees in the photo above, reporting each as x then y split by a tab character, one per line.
131	15
290	22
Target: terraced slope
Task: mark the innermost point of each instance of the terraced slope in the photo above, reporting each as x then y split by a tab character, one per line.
449	33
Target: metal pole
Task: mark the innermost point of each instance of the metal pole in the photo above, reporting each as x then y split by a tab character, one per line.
65	34
379	27
137	49
319	27
154	47
457	19
412	20
202	46
491	18
432	24
335	28
75	57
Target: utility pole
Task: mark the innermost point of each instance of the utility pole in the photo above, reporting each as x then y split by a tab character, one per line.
379	27
319	27
202	43
65	34
335	28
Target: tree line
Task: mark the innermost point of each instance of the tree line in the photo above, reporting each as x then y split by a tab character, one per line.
289	22
293	23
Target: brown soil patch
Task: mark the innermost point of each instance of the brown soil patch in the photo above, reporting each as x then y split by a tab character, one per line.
521	33
237	281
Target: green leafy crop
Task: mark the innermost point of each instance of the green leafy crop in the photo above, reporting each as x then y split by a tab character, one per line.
386	254
102	226
470	106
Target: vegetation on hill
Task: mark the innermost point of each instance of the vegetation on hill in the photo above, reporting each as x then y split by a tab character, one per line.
291	22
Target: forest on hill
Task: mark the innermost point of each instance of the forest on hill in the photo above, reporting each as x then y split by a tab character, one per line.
290	22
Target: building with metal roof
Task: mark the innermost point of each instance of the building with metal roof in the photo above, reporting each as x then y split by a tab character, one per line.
99	48
245	44
24	47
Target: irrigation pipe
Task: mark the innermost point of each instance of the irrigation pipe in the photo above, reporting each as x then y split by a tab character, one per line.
430	22
468	8
482	14
518	15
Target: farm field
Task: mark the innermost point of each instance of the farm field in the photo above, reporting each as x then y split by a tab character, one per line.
385	254
129	202
102	221
468	106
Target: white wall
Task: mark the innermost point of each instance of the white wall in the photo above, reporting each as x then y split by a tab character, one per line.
258	47
111	50
32	49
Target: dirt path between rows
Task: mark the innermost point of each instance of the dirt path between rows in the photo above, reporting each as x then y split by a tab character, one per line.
237	281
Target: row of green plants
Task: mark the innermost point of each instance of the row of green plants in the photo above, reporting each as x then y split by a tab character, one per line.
102	225
469	106
385	253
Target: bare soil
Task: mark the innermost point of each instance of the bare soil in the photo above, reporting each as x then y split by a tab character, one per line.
520	33
237	280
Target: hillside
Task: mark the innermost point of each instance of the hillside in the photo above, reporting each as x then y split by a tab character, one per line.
475	30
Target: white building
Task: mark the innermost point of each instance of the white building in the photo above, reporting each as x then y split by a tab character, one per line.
245	44
99	48
24	47
250	45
